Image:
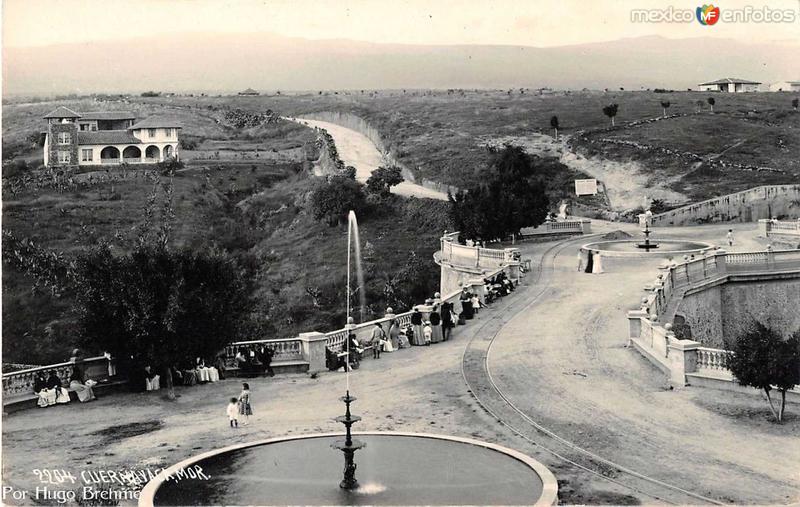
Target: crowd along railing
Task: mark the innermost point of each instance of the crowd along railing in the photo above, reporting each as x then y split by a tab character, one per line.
21	382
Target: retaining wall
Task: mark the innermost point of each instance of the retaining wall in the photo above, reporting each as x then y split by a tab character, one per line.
747	206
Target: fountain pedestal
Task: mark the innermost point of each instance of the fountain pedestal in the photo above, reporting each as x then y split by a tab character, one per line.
348	446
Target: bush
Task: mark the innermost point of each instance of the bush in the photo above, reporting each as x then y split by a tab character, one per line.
332	200
383	179
763	359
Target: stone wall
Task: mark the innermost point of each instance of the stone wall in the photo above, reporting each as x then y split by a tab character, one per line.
723	312
746	206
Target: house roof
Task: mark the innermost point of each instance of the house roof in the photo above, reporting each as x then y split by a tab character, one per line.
728	80
107	137
155	122
249	91
108	115
62	112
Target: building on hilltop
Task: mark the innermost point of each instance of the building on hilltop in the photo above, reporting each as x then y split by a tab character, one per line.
249	91
730	85
107	138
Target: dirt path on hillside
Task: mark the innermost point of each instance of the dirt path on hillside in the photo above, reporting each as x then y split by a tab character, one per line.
564	361
627	183
356	149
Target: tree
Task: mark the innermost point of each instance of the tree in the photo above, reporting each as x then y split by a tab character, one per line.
763	359
554	124
383	179
331	201
795	103
160	307
711	103
611	111
665	105
510	197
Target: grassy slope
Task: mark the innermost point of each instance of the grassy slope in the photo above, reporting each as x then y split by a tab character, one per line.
243	203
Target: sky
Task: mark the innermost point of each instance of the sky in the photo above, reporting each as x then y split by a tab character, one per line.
540	23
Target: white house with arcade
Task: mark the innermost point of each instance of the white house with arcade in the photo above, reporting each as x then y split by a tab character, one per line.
108	138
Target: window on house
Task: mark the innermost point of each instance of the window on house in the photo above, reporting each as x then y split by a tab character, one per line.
94	127
64	157
169	132
151	132
86	155
64	138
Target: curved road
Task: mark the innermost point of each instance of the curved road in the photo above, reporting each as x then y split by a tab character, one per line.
562	362
357	150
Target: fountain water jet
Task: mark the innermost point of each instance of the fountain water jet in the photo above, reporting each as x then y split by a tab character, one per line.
349	446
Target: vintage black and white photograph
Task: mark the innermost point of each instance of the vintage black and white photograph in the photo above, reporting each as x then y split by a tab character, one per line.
407	252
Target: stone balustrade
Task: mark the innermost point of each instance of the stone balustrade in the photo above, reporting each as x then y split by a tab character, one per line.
289	349
21	382
769	228
650	326
578	226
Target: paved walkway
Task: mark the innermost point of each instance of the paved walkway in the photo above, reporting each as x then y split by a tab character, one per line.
356	149
564	362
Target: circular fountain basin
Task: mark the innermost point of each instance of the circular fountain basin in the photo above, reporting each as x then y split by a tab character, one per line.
664	248
393	469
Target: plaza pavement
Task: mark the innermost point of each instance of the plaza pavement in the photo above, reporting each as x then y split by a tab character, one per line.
721	442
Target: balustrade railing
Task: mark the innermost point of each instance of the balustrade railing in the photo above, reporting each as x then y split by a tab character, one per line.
22	381
712	360
290	349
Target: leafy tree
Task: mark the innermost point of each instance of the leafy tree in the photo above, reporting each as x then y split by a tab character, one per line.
611	111
711	101
160	307
665	105
332	200
554	124
510	197
795	103
383	179
762	359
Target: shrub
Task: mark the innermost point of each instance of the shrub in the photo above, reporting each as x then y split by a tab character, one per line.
762	359
383	179
332	200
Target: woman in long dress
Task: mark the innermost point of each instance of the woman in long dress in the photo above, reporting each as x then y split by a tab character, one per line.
416	323
589	262
47	396
394	335
436	325
78	383
54	384
598	264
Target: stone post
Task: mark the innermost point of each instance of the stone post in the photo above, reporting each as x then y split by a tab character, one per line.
682	360
764	227
721	261
635	324
313	346
586	226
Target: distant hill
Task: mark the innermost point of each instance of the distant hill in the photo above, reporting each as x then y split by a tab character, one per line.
232	62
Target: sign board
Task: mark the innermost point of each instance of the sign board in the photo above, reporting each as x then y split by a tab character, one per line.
586	187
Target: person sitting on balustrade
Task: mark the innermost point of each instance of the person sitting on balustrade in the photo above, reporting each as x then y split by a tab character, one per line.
54	384
152	381
264	355
355	349
82	385
334	361
47	396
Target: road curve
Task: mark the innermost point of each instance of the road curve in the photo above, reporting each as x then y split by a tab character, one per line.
357	150
558	373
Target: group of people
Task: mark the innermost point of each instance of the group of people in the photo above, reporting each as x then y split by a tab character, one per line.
240	408
50	389
255	361
591	262
498	286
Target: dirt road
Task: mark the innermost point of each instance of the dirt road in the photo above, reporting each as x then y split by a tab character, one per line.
356	149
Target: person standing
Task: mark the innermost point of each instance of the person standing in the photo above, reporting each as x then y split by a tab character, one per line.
730	237
580	260
447	320
233	412
416	326
378	337
436	324
597	268
589	262
427	333
245	410
394	334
